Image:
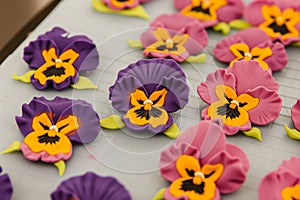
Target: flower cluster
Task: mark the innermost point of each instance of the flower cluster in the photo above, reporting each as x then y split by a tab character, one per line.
241	95
50	127
279	19
57	59
201	165
146	92
242	46
175	36
284	183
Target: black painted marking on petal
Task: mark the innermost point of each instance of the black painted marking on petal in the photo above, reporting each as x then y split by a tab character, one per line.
225	110
188	185
53	71
64	126
45	127
142	113
200	9
279	29
164	47
208	175
191	172
47	139
243	104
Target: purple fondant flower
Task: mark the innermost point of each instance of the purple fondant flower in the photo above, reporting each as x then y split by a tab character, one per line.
201	160
280	19
175	36
210	12
6	189
90	186
284	183
241	95
58	59
122	5
49	127
252	44
146	92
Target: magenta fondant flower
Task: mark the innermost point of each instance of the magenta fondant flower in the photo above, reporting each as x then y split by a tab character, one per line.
241	95
284	183
146	92
56	59
91	186
6	189
123	4
252	44
174	36
201	165
211	12
280	19
295	112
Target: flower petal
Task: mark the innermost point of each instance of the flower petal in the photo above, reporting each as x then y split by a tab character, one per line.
6	189
221	50
296	114
252	12
279	57
187	163
232	10
291	165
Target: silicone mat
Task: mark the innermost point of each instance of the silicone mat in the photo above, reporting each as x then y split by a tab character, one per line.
130	157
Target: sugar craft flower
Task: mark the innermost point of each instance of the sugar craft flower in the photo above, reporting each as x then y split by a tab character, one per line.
174	36
6	189
295	112
146	92
280	19
240	96
283	183
201	165
252	44
90	186
122	7
55	60
50	127
211	12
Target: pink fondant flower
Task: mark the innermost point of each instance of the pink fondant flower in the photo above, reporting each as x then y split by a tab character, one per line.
284	183
175	36
210	12
123	4
252	44
201	165
241	95
296	115
280	19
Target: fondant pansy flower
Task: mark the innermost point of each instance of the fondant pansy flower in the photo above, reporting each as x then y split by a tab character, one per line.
122	7
90	186
145	93
50	127
6	189
174	36
241	95
295	112
201	165
278	18
56	60
252	44
211	12
282	184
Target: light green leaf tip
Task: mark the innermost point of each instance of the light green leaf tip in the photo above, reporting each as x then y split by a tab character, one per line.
112	122
292	133
296	44
134	43
61	166
137	11
255	133
173	131
222	27
159	195
84	83
25	77
15	146
239	24
201	58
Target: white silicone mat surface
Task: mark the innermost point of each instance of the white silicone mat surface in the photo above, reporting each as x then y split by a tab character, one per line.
131	158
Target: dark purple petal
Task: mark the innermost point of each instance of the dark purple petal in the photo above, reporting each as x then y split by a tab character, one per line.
90	186
6	189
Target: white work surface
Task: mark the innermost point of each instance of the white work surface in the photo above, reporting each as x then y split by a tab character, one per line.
130	157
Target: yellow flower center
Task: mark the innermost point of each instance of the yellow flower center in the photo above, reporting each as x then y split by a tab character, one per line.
291	193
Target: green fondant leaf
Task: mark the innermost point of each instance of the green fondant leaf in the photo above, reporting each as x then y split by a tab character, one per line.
296	44
84	83
134	43
25	77
159	195
15	146
112	122
173	131
61	166
255	133
292	133
137	11
201	58
239	24
222	27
